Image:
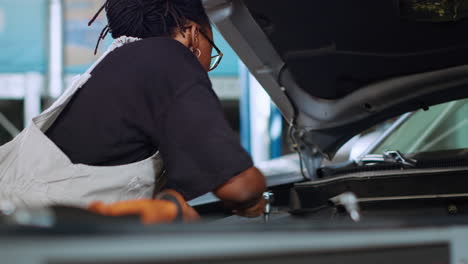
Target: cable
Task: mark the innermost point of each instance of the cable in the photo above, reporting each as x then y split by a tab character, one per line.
296	148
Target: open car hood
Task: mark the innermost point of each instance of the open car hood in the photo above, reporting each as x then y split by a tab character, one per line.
336	68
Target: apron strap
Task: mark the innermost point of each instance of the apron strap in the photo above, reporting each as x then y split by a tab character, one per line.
48	117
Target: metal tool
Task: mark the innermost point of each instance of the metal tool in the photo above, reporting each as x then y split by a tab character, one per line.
269	197
350	203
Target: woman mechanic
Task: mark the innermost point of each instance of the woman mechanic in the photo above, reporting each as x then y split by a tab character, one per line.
147	102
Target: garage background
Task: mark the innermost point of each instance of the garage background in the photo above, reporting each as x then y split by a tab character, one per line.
44	43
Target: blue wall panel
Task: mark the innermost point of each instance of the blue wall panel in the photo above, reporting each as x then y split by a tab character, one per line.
23	36
80	39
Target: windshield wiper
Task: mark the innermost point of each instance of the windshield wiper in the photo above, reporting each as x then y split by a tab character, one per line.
388	157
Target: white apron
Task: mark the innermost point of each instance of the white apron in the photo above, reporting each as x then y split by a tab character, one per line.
35	172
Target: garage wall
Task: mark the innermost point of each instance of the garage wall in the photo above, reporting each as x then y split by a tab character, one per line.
24	66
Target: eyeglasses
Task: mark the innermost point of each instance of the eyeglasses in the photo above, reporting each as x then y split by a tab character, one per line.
216	59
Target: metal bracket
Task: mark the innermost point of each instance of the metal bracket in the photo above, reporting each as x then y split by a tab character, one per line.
391	156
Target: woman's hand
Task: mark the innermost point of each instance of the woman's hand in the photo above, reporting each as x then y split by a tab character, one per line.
244	191
254	211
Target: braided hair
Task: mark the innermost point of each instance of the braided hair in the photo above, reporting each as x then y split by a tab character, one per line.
149	18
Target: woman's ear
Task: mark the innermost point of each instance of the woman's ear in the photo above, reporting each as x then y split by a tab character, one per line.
193	35
190	36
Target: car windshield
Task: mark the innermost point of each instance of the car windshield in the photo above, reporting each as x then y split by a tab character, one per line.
442	127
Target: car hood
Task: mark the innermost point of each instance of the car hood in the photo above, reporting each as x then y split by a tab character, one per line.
336	68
